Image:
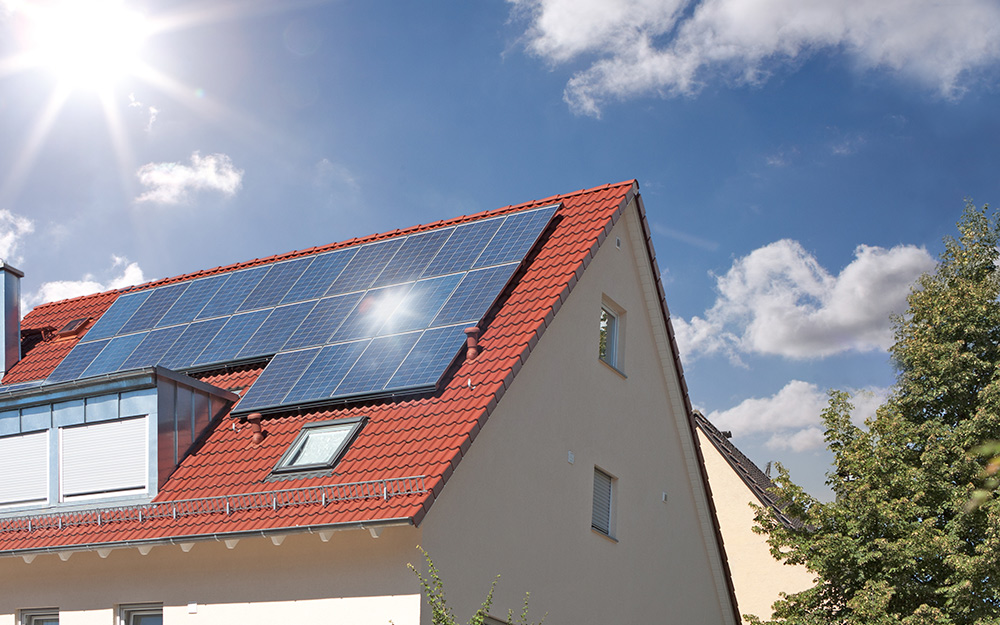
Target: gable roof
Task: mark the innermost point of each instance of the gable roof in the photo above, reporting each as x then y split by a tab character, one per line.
402	457
759	484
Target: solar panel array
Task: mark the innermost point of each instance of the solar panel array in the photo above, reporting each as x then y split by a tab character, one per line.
383	317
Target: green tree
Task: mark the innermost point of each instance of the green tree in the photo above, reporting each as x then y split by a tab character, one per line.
900	542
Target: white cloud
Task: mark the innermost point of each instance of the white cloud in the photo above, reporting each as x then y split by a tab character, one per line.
173	183
122	273
779	300
151	111
671	47
13	229
791	417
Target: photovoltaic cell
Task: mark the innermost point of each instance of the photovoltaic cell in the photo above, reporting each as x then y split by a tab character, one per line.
280	375
474	295
427	361
275	284
325	372
233	292
515	237
156	305
421	304
463	248
364	267
113	355
192	301
116	316
323	321
77	360
412	257
316	280
371	312
191	343
275	331
152	348
232	337
377	364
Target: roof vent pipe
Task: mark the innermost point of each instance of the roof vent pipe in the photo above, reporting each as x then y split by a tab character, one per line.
258	432
472	342
10	336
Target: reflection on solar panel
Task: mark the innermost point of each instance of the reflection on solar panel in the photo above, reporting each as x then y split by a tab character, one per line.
378	318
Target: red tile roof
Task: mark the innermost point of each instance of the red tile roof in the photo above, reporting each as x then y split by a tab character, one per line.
424	435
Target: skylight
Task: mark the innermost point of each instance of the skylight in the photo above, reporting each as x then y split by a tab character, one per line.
319	445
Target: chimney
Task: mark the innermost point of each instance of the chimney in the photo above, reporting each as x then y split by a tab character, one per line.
10	337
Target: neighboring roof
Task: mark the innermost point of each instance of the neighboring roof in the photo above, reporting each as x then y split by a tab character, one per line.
759	484
408	448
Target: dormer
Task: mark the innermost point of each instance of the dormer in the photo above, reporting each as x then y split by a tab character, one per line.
111	439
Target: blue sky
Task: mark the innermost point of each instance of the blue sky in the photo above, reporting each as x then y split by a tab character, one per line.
800	162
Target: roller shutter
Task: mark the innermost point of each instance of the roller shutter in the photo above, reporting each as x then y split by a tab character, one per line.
104	457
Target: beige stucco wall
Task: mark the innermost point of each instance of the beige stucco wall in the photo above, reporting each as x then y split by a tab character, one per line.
353	579
757	577
516	506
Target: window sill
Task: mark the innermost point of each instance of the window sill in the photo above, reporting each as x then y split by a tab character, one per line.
613	368
604	536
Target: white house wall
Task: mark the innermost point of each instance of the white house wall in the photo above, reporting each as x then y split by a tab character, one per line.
757	577
516	505
353	579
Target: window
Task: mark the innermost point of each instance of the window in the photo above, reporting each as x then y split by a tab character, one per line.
612	328
141	614
23	462
602	518
48	616
104	458
319	445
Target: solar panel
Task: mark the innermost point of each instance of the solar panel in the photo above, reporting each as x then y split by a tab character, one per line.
316	280
77	360
155	306
377	364
428	359
323	321
115	317
374	318
232	337
474	295
152	348
276	329
412	257
275	284
464	247
192	301
113	355
371	312
191	343
370	260
281	373
231	294
420	304
324	373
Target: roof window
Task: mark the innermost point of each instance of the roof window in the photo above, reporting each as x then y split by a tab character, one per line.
319	445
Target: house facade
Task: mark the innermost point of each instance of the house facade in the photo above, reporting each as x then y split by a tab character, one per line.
272	440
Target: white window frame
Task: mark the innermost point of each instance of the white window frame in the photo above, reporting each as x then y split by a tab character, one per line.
127	613
36	616
603	517
611	337
289	463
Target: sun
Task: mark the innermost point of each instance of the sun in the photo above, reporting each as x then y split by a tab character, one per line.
85	45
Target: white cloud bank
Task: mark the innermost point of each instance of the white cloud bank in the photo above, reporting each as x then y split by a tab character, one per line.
671	47
792	415
778	300
122	273
173	183
13	229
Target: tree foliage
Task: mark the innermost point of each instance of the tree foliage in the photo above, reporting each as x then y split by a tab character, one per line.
441	614
901	543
